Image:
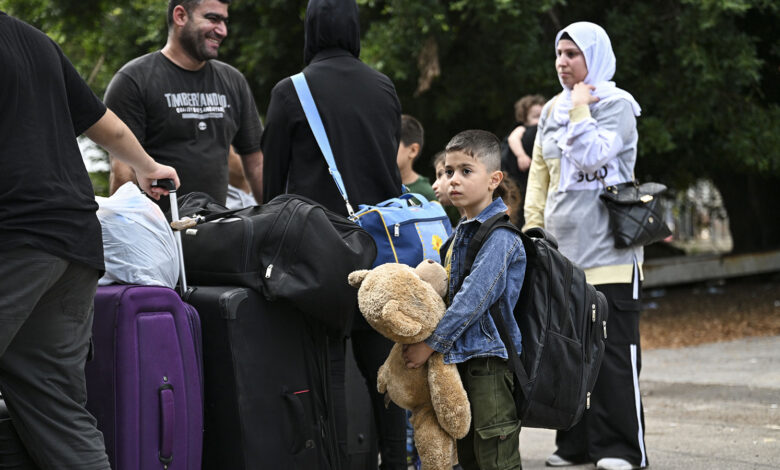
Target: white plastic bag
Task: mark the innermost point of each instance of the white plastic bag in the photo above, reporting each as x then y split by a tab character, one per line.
138	243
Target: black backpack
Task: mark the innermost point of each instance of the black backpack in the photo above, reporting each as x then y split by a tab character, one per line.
563	322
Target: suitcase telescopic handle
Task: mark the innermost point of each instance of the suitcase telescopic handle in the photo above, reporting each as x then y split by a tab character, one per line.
168	184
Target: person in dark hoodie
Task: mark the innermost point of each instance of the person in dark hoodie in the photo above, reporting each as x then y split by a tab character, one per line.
362	117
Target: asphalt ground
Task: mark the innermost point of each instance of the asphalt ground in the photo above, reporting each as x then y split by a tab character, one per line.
711	406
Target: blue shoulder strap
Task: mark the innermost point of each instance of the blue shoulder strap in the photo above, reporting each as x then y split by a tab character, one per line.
313	116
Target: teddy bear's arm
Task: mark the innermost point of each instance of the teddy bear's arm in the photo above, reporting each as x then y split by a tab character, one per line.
381	379
449	398
356	277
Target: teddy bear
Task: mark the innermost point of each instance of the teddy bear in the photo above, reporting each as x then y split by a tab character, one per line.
405	304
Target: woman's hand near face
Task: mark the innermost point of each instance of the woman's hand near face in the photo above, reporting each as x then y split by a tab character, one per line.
581	94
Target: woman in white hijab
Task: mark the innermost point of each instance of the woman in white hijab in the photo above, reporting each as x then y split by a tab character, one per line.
586	139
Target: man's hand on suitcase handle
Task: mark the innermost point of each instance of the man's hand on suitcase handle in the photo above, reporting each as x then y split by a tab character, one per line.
164	183
148	179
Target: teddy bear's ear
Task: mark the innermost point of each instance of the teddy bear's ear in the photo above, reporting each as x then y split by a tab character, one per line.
434	274
356	277
400	324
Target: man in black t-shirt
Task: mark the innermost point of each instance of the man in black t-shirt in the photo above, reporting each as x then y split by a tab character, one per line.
186	107
51	251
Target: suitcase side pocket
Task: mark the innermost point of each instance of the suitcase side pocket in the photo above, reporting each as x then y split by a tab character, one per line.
300	436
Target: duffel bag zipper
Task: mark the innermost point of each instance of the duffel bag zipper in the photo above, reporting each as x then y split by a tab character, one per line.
270	268
397	226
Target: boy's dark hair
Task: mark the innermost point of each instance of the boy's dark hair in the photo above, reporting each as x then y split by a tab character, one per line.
482	145
188	5
524	104
439	158
411	131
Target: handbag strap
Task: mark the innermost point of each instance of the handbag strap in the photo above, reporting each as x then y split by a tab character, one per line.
315	122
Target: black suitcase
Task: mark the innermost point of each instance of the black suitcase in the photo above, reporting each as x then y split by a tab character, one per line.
13	455
362	444
265	382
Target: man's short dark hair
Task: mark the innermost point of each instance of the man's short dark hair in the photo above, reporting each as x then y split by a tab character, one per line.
188	5
411	131
481	145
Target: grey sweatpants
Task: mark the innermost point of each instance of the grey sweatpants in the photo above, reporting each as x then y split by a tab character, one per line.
46	309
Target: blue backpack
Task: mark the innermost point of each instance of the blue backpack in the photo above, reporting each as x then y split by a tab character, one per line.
406	229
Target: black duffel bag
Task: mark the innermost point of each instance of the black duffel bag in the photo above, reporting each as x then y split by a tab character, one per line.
289	248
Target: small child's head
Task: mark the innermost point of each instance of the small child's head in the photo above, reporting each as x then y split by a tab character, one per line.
528	109
411	143
473	168
510	193
440	185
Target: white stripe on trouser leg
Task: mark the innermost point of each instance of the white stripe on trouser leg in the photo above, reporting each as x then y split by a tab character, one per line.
635	280
637	403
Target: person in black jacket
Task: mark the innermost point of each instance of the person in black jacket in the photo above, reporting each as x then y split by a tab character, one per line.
362	117
359	109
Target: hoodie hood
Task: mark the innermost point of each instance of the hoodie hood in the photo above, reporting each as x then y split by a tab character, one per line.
331	24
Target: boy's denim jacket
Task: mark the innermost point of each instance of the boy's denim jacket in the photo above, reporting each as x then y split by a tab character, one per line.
467	329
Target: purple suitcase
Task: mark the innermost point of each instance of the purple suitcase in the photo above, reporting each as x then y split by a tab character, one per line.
145	383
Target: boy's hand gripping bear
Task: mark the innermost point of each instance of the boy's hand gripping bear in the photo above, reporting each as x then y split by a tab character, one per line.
405	305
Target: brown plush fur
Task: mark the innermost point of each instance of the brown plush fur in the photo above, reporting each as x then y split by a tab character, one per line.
405	305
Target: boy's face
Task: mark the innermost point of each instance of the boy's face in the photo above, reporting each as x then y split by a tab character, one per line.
441	186
471	185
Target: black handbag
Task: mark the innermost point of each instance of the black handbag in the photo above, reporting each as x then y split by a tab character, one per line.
635	216
289	248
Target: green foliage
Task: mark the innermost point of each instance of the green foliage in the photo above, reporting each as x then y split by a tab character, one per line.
99	182
98	36
704	71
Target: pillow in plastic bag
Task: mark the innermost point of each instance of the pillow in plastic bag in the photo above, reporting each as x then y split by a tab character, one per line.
138	244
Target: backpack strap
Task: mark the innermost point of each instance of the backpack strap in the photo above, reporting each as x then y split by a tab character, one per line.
318	129
446	246
483	233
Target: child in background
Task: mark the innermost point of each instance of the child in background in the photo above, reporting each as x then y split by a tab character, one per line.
518	147
528	109
467	335
410	147
440	189
510	193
